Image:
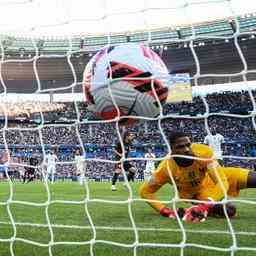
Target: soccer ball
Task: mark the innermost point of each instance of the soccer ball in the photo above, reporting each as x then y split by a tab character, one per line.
123	76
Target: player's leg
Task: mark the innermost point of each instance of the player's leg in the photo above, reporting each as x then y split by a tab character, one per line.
46	175
148	172
10	173
141	175
117	171
78	175
237	178
50	173
53	170
21	175
145	175
25	176
130	170
131	173
29	176
81	180
81	176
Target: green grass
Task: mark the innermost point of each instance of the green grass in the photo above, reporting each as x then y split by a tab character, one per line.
112	224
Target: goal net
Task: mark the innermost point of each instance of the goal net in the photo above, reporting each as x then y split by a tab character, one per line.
44	48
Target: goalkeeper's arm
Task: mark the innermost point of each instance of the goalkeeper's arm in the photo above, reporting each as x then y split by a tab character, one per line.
149	188
199	212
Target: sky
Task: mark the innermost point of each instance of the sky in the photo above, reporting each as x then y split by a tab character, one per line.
65	18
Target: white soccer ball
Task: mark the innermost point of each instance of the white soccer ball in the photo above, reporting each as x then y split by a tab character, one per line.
125	74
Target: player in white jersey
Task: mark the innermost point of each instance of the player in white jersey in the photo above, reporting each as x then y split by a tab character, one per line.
3	160
214	141
80	166
50	160
150	164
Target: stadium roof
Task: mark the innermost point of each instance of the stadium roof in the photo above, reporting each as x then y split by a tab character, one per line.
217	29
68	18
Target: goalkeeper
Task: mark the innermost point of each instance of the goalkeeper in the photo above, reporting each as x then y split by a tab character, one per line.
196	179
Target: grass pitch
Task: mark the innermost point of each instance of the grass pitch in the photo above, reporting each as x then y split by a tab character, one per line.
102	225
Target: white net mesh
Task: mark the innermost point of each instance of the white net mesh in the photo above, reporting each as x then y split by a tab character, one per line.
68	219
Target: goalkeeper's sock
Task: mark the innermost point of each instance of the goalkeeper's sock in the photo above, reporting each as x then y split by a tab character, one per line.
114	179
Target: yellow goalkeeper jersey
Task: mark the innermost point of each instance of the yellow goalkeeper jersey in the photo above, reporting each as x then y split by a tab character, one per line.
195	181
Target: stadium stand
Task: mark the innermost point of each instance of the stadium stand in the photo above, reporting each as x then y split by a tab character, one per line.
54	71
99	139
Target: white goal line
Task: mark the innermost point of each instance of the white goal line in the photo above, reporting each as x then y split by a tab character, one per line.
201	231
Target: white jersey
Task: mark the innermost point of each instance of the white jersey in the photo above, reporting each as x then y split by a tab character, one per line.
215	141
51	159
150	165
80	163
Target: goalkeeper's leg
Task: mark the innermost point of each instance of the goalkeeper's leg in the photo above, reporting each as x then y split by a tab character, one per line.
238	178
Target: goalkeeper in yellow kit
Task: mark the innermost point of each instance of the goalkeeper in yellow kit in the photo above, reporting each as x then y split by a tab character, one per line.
197	177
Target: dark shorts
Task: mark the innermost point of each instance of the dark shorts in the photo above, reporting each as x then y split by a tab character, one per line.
30	171
127	166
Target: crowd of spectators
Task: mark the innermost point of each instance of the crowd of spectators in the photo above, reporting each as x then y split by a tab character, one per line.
27	108
64	134
224	102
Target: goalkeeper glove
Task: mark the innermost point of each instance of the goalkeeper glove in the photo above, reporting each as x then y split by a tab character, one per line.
197	213
166	212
